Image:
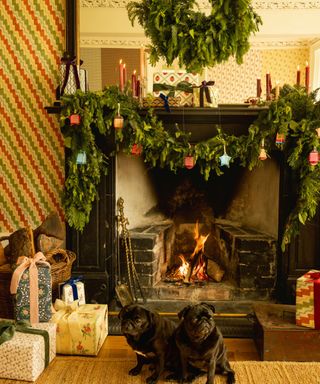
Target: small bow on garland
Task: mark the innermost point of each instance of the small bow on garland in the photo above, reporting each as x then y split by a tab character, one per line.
70	62
184	86
9	327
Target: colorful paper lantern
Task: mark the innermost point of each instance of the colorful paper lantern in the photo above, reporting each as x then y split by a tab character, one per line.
75	119
189	162
318	132
280	138
263	154
118	119
81	158
136	149
313	157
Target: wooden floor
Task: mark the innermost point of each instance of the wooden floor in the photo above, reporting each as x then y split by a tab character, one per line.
116	348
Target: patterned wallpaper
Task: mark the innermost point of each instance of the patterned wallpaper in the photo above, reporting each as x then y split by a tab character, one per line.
236	83
31	146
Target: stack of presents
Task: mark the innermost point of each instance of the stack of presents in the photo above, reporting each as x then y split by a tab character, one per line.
43	311
181	89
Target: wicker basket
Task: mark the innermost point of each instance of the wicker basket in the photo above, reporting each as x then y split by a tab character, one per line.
6	299
61	261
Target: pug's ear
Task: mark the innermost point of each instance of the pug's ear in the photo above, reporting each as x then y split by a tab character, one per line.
123	311
184	311
211	306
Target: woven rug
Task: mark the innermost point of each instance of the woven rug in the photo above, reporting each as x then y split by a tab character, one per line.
105	371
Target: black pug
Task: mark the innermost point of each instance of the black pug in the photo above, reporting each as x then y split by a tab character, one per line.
201	344
151	337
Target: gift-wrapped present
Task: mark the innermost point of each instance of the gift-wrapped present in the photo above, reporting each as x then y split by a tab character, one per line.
308	300
81	330
175	83
72	290
25	351
206	95
158	102
72	77
31	285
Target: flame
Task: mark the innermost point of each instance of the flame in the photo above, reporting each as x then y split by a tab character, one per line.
196	261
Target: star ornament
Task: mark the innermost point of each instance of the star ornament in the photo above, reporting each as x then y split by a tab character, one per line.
225	160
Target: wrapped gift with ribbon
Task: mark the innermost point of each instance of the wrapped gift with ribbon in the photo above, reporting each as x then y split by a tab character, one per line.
72	290
206	95
81	330
31	285
308	300
72	76
25	351
175	83
157	102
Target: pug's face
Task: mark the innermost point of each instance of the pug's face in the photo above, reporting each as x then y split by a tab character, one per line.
135	320
198	321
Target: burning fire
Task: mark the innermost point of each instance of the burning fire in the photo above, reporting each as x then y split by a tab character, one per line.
194	269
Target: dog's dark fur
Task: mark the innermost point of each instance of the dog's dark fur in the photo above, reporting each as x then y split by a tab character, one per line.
201	344
151	337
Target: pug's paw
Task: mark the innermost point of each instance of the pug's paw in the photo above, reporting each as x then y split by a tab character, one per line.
135	371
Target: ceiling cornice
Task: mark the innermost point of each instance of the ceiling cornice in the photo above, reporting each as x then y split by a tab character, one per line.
257	4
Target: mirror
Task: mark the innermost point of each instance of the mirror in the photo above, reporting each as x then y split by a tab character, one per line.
288	38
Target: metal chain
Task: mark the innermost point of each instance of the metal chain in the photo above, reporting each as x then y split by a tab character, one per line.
133	279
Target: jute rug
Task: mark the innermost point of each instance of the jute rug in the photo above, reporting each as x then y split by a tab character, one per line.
105	371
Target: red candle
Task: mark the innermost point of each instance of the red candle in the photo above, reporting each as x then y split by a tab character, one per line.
268	90
259	89
138	87
124	74
307	77
298	75
134	83
121	83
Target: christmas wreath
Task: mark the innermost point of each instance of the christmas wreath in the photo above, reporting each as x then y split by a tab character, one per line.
178	31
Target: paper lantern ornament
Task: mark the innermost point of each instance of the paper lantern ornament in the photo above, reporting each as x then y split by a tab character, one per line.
263	153
81	158
313	157
189	162
75	119
318	132
136	149
118	119
280	138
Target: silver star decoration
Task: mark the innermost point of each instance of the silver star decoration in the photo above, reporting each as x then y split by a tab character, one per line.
225	159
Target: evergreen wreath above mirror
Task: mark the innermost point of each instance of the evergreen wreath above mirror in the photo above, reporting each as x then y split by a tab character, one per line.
178	30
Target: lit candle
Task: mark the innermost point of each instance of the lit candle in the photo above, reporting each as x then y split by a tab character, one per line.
259	89
277	92
268	86
298	75
307	76
121	75
124	74
134	83
142	64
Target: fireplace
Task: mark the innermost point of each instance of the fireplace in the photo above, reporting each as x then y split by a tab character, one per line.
203	240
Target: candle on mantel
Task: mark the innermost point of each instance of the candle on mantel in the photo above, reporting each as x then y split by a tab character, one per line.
307	83
268	90
134	83
124	74
138	91
277	92
298	75
259	89
121	83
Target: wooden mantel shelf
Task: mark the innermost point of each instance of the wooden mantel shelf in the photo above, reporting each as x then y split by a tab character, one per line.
202	122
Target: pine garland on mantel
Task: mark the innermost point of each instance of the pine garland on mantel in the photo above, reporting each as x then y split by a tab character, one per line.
295	115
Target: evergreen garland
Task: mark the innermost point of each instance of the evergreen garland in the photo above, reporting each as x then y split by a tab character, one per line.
178	31
295	114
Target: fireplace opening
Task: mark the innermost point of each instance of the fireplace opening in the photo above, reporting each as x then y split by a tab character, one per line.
209	240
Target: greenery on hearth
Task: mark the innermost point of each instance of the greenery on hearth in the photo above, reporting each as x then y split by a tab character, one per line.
178	31
295	114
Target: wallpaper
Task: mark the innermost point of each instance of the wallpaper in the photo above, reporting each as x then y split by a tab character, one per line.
236	83
31	146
